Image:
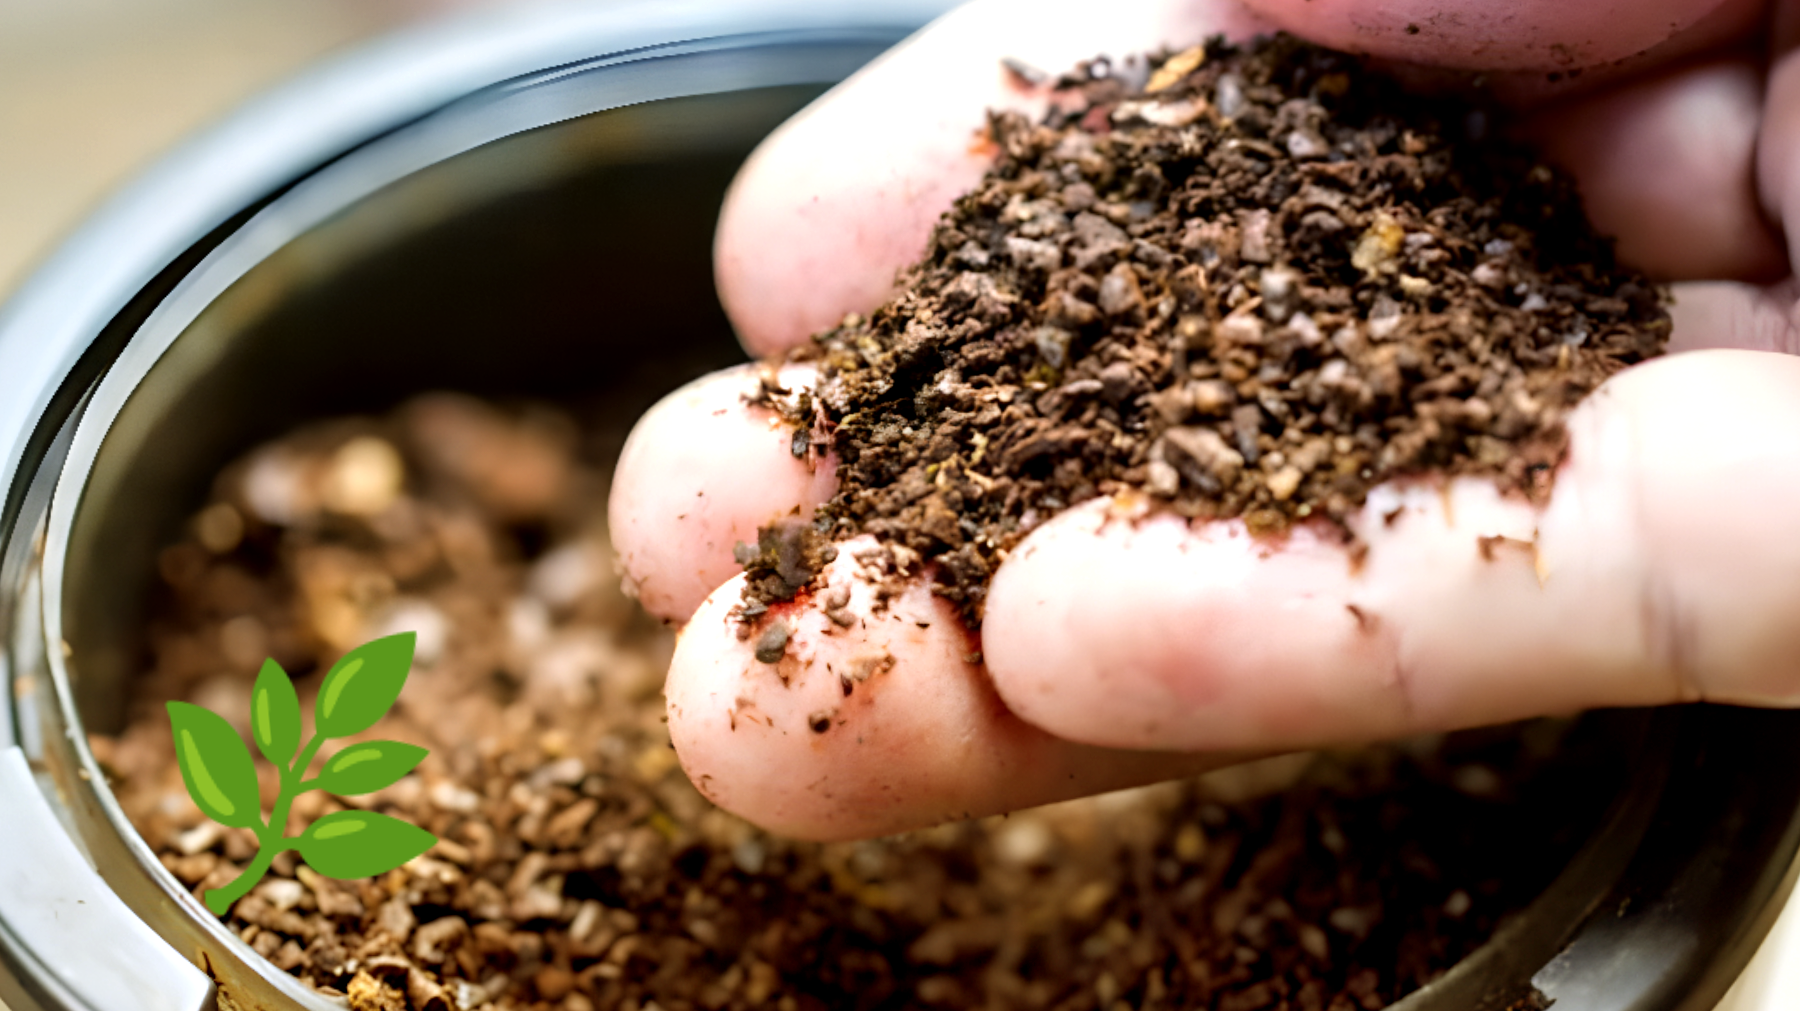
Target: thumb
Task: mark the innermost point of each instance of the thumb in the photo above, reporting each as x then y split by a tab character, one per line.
1664	568
1522	35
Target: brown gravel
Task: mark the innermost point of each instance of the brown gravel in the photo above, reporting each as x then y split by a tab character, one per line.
578	869
1251	283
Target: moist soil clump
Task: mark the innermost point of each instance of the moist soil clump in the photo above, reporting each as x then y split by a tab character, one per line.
1249	283
579	869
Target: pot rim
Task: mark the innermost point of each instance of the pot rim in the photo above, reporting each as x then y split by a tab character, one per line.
184	223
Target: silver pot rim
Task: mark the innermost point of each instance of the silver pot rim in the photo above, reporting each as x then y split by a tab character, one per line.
81	334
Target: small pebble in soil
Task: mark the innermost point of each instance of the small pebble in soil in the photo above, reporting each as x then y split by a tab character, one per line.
771	645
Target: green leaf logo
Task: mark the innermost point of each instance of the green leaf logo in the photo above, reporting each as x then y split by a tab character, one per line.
217	768
221	774
367	767
360	688
275	714
358	844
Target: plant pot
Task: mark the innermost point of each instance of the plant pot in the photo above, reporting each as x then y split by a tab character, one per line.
516	204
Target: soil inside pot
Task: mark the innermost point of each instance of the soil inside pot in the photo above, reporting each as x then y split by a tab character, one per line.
578	869
1249	283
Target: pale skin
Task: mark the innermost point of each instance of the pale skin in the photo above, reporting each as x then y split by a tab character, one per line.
1124	648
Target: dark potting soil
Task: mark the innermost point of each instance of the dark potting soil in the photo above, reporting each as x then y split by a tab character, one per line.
578	869
1248	282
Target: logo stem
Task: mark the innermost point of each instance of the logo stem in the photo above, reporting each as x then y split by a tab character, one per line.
270	836
219	900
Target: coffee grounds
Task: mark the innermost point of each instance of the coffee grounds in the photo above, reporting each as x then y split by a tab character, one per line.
579	869
1250	282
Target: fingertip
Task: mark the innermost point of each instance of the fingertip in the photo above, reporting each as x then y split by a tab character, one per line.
1702	446
816	730
805	238
1122	631
875	721
701	471
830	207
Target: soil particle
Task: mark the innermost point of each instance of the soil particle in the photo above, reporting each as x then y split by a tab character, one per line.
787	555
579	869
1491	546
1366	621
771	645
1256	289
367	993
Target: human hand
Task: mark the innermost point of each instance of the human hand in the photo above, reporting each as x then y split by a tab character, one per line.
1667	560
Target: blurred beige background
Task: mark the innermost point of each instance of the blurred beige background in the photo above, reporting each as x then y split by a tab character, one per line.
92	90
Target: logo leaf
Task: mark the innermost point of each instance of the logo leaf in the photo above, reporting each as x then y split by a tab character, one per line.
275	714
216	766
360	844
367	767
360	688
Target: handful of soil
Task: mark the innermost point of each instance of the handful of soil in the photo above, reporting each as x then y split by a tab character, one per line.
1248	282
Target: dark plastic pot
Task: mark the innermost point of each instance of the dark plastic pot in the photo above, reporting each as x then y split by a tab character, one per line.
516	204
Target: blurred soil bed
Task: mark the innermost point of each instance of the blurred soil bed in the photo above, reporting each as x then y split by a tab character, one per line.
578	869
